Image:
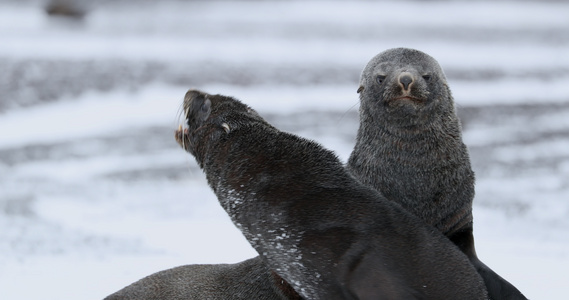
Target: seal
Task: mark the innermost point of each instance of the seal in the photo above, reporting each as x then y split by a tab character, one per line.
246	280
409	147
311	221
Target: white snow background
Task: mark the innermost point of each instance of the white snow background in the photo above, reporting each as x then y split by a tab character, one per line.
95	193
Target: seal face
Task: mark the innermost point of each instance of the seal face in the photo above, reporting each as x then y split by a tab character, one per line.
409	147
321	230
204	119
404	87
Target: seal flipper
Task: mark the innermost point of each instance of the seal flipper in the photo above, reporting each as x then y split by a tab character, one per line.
498	288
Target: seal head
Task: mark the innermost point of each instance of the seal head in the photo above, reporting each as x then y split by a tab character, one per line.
405	87
207	116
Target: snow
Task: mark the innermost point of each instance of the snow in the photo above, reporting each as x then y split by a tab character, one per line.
94	113
96	194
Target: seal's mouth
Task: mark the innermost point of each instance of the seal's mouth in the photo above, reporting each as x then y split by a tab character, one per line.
406	100
196	110
182	137
182	134
410	99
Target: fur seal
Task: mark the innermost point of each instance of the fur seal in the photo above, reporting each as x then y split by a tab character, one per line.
246	280
324	232
409	147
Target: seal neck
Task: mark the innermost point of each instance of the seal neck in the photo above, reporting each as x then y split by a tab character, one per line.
202	139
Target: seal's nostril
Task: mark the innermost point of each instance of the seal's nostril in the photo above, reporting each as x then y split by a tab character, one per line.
406	80
192	94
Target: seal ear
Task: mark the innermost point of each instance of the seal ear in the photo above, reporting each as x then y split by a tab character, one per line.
205	110
360	89
225	127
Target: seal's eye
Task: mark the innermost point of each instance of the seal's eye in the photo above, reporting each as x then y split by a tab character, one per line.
427	77
380	78
205	109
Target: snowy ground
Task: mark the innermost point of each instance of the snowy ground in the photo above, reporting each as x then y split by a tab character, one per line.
95	193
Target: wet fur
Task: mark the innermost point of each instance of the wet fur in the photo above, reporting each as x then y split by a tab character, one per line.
412	151
325	233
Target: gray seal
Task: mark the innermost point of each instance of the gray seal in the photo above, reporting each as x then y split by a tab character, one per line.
320	229
246	280
409	146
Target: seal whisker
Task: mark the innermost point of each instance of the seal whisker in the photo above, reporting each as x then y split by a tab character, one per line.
347	111
180	130
179	112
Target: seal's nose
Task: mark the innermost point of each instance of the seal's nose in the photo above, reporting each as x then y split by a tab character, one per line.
191	95
406	80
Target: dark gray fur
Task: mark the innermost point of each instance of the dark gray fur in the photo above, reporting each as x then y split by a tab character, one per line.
325	233
411	149
247	280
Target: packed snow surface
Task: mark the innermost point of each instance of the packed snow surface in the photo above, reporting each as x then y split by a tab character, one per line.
96	194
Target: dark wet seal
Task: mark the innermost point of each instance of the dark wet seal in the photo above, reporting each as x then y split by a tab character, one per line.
312	223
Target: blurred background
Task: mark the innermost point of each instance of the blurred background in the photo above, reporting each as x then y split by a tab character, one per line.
95	193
